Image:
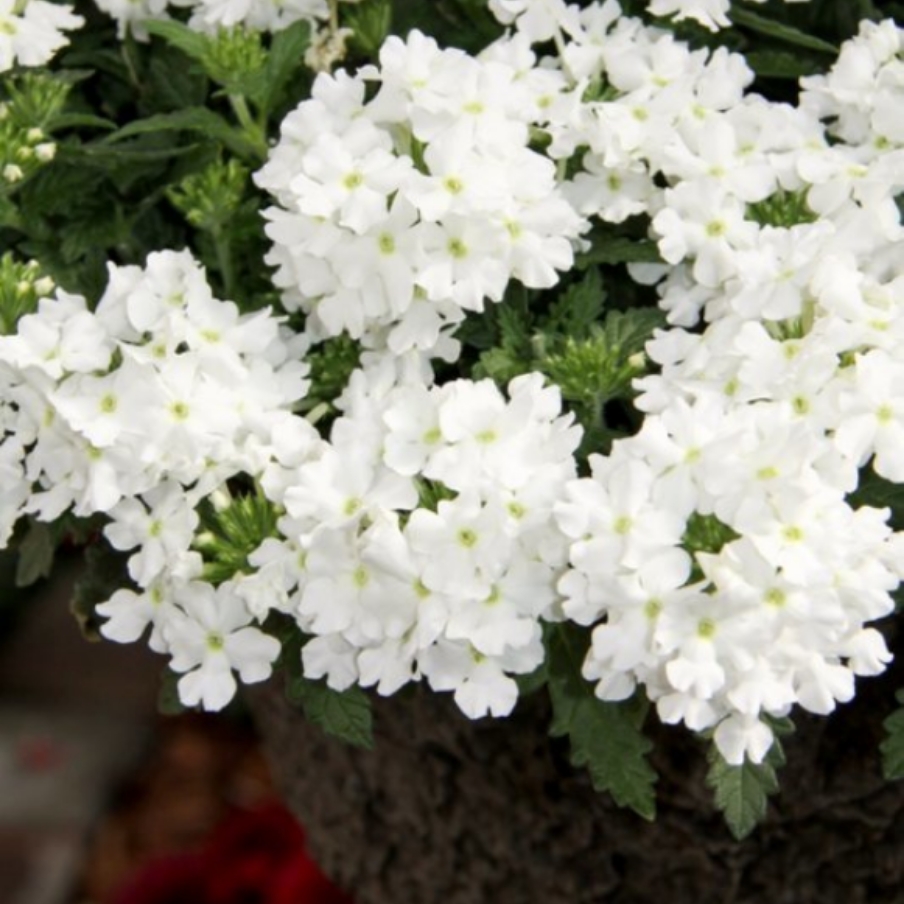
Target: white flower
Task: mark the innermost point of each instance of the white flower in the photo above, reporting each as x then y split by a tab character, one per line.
537	20
700	220
481	684
461	544
874	415
332	657
130	15
128	614
163	533
31	32
259	15
209	636
710	13
62	337
740	737
612	519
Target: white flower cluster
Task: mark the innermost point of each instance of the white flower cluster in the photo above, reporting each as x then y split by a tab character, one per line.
209	16
716	555
716	551
399	214
138	410
541	20
32	31
419	541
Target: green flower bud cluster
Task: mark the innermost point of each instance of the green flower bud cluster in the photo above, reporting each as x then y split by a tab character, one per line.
235	59
233	527
22	285
22	150
210	198
32	103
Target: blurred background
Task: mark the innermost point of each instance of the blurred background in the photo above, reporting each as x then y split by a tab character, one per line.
104	801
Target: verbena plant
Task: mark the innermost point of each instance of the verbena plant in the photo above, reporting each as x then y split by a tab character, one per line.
512	349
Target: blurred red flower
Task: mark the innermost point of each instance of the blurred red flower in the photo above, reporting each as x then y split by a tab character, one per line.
255	857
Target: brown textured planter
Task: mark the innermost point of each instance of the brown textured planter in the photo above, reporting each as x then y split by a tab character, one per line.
446	811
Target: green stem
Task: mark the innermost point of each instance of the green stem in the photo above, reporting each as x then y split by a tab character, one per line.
224	261
126	49
252	129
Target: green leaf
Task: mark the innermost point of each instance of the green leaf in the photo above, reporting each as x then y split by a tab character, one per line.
619	250
370	23
285	59
605	736
533	681
787	34
190	119
742	792
172	83
892	748
877	492
168	702
514	319
191	43
35	554
79	120
627	332
342	714
579	307
105	572
781	64
109	156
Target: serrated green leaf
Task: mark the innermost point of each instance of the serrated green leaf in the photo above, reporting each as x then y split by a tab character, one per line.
36	553
513	317
284	60
892	748
342	714
787	34
605	736
500	366
627	332
370	23
191	43
579	307
742	792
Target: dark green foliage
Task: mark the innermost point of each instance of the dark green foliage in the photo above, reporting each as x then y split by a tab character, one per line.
877	492
36	553
605	737
892	747
332	363
104	573
706	533
168	702
742	792
345	715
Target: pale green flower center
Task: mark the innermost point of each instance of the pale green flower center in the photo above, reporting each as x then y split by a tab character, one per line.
706	628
